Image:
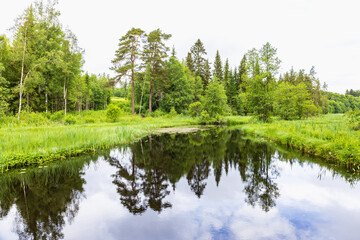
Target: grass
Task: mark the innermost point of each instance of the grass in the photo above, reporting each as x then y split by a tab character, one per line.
327	136
27	145
38	140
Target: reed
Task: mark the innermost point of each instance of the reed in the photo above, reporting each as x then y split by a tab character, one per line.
327	136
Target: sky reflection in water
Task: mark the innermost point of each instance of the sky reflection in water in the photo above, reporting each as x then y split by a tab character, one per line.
208	185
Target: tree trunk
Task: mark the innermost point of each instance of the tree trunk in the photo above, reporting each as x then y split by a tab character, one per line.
21	78
65	91
28	101
150	104
132	93
87	103
46	100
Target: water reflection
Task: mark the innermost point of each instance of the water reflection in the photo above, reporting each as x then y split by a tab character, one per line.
146	173
43	199
158	162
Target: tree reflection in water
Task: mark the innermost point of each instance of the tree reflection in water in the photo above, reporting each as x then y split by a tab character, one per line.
145	173
158	162
43	199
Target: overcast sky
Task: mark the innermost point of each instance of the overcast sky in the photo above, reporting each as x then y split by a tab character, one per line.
320	33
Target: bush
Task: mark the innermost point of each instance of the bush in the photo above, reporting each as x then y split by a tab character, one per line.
172	112
69	119
205	117
112	113
57	116
157	113
353	119
31	118
89	120
195	109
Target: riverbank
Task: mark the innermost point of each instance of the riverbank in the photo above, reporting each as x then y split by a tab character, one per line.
25	146
327	136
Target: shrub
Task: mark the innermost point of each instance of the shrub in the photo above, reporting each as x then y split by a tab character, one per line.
353	119
172	112
90	120
112	113
69	119
157	113
57	116
31	118
195	109
205	117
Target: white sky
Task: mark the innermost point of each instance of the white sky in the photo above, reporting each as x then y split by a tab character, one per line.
320	33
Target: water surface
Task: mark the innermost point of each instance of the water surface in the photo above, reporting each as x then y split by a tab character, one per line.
215	184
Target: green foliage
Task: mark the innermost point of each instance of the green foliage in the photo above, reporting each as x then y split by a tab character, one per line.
4	92
327	136
215	99
262	66
124	61
35	119
205	117
178	94
353	119
218	70
172	112
57	116
198	53
293	101
158	113
195	109
69	119
112	113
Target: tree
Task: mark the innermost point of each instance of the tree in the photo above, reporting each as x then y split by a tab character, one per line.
263	66
292	101
198	52
207	73
178	93
242	75
125	61
218	70
4	92
215	99
190	62
155	52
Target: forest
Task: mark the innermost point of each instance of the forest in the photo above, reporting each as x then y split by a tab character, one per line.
41	72
43	84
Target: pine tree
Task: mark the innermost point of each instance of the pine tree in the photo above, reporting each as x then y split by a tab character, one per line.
155	52
125	61
218	71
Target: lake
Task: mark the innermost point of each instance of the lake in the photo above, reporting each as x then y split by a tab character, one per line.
210	184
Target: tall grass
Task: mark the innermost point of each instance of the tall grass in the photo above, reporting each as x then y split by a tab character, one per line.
327	136
23	146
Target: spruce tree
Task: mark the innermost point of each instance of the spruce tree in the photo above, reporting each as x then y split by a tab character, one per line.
218	71
226	73
190	62
207	73
242	75
198	52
